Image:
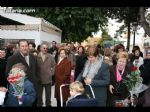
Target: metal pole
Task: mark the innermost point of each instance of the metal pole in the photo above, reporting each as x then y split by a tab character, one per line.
61	94
134	39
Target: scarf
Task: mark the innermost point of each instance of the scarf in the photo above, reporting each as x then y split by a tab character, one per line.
91	69
119	76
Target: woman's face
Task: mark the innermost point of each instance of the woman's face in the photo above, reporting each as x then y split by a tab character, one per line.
80	50
62	54
137	53
121	63
120	50
92	59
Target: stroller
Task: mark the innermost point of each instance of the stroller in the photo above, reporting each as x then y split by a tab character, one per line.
86	102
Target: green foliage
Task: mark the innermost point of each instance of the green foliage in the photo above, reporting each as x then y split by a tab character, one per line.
132	79
77	23
123	14
105	37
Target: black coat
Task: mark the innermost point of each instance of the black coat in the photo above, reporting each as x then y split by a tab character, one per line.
145	71
120	91
3	81
31	68
82	101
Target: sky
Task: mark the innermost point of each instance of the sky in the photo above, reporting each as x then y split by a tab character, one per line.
113	26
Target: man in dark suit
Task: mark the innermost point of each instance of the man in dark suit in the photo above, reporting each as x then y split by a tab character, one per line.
3	61
23	56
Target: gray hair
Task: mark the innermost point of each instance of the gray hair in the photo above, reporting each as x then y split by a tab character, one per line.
44	43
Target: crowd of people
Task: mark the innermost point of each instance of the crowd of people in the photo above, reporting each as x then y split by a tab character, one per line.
103	69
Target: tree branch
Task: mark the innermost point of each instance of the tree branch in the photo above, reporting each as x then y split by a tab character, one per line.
143	21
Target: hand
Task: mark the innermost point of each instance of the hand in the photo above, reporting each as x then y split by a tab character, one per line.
3	89
134	99
111	87
88	80
127	100
19	98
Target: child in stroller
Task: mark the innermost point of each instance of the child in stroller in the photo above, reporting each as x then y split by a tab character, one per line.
78	99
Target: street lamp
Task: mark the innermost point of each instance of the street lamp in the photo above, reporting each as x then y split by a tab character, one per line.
134	30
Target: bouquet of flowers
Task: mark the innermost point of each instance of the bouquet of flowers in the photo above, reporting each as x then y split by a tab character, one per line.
133	82
16	79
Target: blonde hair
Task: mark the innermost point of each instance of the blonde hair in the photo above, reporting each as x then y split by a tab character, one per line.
77	86
122	55
20	66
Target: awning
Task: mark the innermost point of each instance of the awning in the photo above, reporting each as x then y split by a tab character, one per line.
7	21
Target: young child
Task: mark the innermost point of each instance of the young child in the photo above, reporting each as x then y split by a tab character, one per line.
76	92
78	99
29	94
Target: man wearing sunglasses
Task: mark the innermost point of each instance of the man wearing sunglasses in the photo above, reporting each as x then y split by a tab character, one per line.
46	67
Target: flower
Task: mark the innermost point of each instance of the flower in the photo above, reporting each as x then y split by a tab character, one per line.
16	79
133	78
133	82
133	68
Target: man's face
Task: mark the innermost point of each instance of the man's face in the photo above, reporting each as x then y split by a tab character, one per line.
24	47
2	53
69	47
44	49
148	56
53	44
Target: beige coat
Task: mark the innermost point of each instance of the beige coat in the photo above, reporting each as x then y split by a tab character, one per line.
45	70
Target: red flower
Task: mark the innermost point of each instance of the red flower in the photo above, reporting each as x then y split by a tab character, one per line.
12	79
134	68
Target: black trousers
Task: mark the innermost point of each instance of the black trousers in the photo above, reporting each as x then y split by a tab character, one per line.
47	94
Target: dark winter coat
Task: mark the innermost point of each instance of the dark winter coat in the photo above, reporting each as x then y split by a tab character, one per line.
62	76
120	90
31	68
28	97
3	81
100	84
82	101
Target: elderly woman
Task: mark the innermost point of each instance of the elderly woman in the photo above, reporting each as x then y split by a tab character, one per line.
96	73
62	76
117	73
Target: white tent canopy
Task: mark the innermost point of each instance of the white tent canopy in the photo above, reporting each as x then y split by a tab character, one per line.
36	29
